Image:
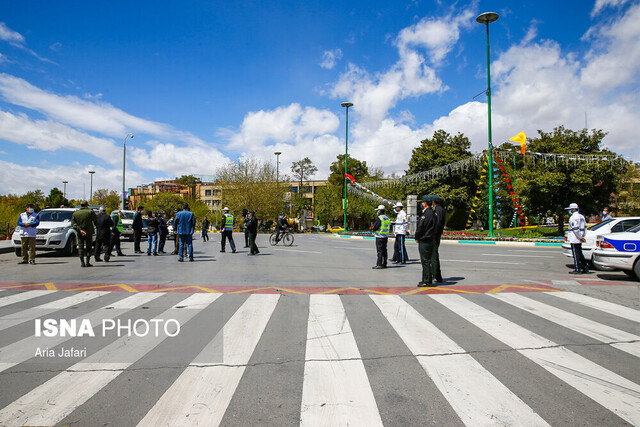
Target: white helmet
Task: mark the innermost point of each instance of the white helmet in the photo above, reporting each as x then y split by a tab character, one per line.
399	205
380	208
225	209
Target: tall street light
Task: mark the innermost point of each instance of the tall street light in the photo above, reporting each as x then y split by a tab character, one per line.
346	156
124	167
64	192
277	153
91	186
487	18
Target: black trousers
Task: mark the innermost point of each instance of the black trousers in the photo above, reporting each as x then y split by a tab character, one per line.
400	250
579	263
85	244
435	259
381	249
137	236
163	239
252	242
228	234
246	239
114	243
101	242
425	248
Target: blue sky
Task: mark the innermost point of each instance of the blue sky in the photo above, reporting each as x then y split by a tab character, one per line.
204	83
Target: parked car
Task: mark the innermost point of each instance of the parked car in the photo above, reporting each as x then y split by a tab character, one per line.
53	233
614	225
619	251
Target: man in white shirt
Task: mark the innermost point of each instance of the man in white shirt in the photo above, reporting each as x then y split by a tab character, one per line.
605	214
400	230
575	237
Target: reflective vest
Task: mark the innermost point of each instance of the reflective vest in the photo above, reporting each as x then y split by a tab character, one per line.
385	226
228	222
117	221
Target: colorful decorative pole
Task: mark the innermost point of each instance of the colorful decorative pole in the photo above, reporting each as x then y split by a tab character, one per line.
346	156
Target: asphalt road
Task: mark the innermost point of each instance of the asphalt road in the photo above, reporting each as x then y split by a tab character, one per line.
509	339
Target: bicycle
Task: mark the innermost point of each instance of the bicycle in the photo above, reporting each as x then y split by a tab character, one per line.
286	238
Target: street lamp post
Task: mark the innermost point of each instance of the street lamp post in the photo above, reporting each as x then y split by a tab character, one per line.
64	192
277	153
346	156
487	18
124	167
91	186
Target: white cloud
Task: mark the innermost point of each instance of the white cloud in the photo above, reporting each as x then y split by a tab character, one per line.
330	58
602	4
45	178
10	36
614	59
177	160
84	114
437	35
48	135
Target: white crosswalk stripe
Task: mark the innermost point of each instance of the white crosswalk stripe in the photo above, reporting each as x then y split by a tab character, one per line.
336	384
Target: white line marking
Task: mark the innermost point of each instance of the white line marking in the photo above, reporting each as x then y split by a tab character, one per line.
197	301
23	296
590	328
474	393
607	307
609	389
533	251
201	394
565	283
297	250
334	391
25	349
520	256
52	401
481	261
11	320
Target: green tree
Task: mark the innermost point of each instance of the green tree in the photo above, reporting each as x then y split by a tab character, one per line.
303	169
251	184
56	198
550	186
329	209
456	190
165	202
107	198
628	202
189	181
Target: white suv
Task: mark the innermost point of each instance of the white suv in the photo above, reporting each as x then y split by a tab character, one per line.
53	233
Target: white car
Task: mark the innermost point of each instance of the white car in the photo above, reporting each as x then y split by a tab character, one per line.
614	225
53	233
127	224
620	251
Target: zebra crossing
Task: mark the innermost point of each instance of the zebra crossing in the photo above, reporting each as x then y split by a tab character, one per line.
548	358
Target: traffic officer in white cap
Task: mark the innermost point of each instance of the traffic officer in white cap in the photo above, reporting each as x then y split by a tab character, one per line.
400	229
575	237
381	228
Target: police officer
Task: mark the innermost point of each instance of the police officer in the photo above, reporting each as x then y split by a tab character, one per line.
84	221
441	222
381	228
227	231
575	237
116	230
400	230
103	234
425	232
137	229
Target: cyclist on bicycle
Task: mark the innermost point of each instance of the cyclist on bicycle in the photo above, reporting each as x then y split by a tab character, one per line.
281	227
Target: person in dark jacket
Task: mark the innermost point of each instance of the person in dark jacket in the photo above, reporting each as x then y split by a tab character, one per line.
245	219
176	239
252	231
441	222
116	229
103	234
425	236
83	222
186	226
205	229
163	231
137	229
152	233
